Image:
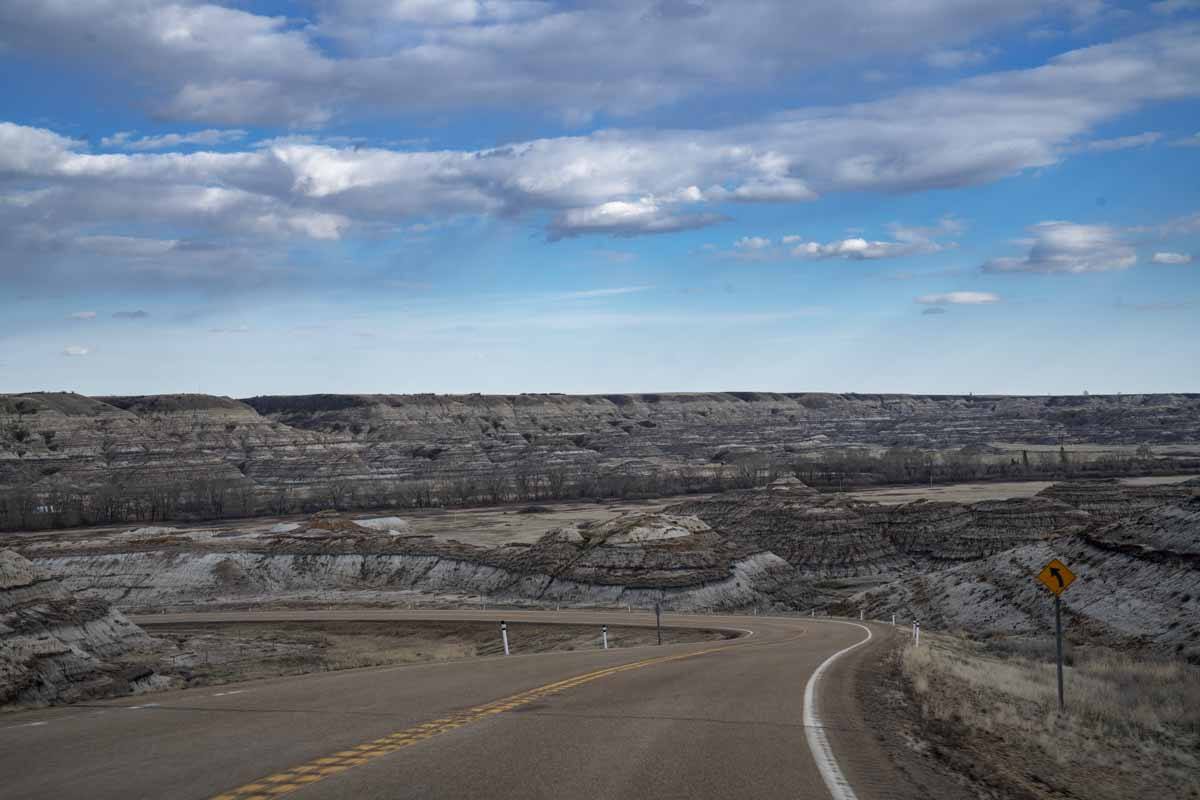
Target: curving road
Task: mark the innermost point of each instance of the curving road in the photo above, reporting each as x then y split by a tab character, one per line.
707	719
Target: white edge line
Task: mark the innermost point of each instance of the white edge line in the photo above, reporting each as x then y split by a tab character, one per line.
814	728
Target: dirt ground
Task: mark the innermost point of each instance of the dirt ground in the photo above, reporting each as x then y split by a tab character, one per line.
489	527
976	492
210	654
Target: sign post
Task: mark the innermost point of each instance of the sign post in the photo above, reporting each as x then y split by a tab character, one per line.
604	632
658	620
1056	577
504	635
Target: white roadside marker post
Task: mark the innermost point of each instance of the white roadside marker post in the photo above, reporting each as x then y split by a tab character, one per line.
604	633
860	615
893	620
917	635
504	635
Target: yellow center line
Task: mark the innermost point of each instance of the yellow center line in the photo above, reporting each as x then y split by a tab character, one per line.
282	783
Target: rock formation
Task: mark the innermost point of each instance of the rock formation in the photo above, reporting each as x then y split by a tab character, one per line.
56	648
179	456
833	536
1138	584
634	559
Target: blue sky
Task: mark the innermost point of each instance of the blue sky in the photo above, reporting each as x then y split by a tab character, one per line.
671	195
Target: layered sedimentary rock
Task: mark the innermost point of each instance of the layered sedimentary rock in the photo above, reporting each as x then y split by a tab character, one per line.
1138	582
56	648
824	536
326	446
1110	499
636	559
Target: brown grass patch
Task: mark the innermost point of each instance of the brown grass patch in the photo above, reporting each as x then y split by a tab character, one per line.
1132	726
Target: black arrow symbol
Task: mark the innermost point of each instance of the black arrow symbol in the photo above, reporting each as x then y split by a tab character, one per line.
1058	575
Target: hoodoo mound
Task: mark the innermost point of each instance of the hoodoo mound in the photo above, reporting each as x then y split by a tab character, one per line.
832	536
1138	585
54	648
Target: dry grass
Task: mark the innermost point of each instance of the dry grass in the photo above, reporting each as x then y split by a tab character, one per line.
1132	725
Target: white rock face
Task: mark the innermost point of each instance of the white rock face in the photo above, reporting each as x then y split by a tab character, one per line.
641	529
54	648
1138	582
154	579
392	525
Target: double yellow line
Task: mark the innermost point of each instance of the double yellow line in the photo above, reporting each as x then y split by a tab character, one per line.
318	769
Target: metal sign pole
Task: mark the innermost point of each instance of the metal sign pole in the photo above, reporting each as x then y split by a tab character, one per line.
1058	637
604	631
658	620
504	635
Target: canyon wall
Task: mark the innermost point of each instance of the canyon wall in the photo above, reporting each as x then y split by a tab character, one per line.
174	456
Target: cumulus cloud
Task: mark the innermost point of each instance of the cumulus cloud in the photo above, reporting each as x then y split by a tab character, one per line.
126	140
958	299
1066	247
905	241
59	200
138	314
1172	258
405	55
75	351
82	315
627	218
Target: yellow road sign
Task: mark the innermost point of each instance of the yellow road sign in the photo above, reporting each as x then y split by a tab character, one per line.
1056	576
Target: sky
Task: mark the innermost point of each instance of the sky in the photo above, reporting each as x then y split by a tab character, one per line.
507	196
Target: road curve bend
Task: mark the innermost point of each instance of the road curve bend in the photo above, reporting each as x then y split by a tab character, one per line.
771	714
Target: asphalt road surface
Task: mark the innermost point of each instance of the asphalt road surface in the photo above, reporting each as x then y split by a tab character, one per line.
706	719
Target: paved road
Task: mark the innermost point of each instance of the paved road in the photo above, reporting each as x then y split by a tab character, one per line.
707	719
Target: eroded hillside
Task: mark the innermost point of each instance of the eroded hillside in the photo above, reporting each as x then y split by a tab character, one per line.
66	459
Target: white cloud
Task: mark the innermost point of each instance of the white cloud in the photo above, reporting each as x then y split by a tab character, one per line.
1066	247
1122	142
57	199
1171	7
126	140
138	314
627	218
589	293
906	241
957	59
75	351
1187	141
958	299
82	315
406	55
1172	258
